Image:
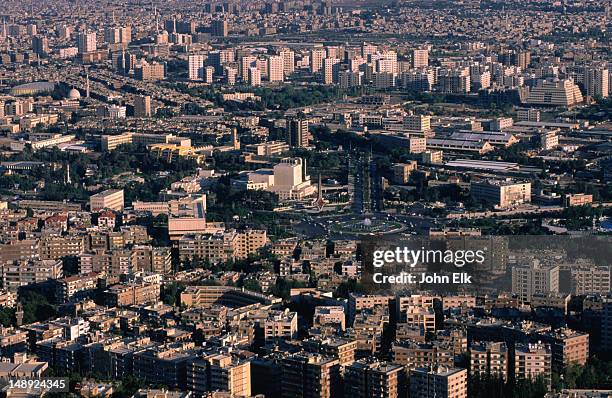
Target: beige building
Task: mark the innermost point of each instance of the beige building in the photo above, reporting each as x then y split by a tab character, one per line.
401	172
489	359
533	279
590	280
554	92
438	383
310	375
26	272
111	199
280	325
501	194
377	379
532	361
219	372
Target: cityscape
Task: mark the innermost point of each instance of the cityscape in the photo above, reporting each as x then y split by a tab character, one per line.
306	198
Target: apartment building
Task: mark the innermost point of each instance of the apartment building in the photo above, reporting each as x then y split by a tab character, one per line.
532	361
489	359
219	372
363	379
535	278
309	376
440	382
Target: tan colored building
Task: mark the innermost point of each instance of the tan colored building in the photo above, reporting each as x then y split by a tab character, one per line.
340	348
26	272
376	379
310	375
219	372
207	296
221	247
132	294
501	194
422	355
489	359
554	92
111	199
568	347
577	199
172	153
438	383
532	361
280	325
402	171
590	279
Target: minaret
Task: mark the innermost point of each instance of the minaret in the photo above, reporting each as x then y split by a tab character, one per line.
235	140
87	83
68	179
19	314
123	60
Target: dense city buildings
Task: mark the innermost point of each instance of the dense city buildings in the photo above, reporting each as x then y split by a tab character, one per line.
306	198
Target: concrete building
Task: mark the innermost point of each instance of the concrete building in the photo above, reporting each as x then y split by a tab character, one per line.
363	379
596	81
418	123
532	361
219	372
142	106
501	194
536	278
111	199
590	280
438	383
26	272
291	181
554	92
254	77
87	42
297	132
276	68
196	66
489	359
310	376
420	58
280	325
402	171
567	347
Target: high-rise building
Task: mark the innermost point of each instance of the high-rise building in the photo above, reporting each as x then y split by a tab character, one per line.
375	379
532	361
310	375
87	42
297	132
489	359
254	77
246	63
316	59
276	68
142	106
420	58
219	28
596	81
40	45
331	68
536	278
150	71
196	66
219	372
438	383
288	60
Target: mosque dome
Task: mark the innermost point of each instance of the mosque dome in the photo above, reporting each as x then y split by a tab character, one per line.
74	94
